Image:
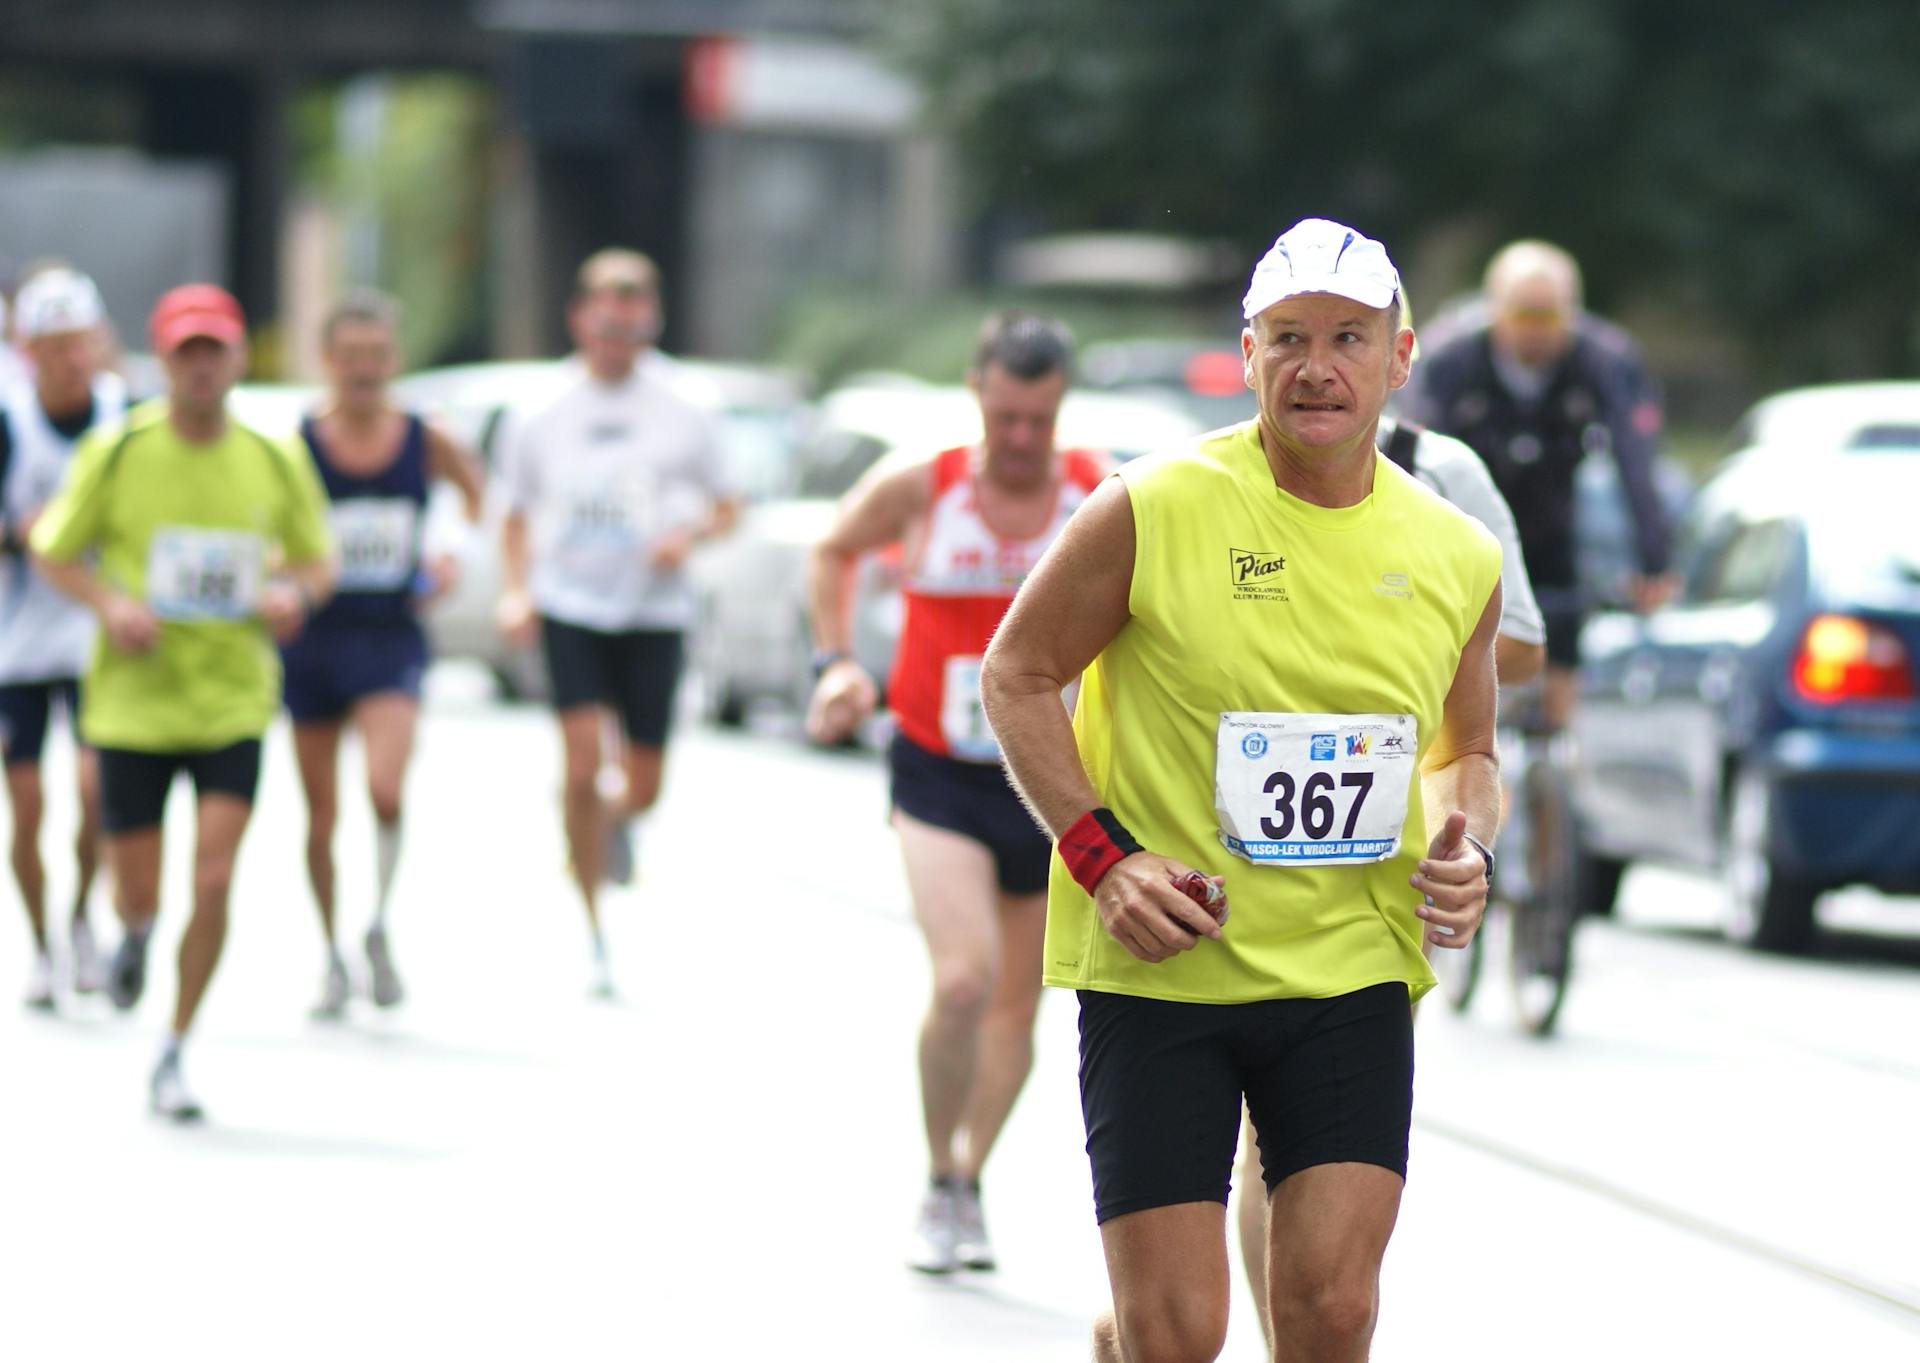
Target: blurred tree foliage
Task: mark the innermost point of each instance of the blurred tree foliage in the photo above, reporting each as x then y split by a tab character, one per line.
1754	160
425	187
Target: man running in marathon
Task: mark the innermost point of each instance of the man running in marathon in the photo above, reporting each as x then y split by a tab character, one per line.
197	542
611	484
1288	653
1456	473
1534	390
360	660
973	520
46	637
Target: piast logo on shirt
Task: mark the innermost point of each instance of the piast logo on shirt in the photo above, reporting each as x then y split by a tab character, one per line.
1256	575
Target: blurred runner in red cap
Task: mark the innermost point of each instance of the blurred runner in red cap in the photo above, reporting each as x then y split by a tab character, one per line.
197	542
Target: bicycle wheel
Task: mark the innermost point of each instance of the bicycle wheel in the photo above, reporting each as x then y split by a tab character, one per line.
1458	970
1540	959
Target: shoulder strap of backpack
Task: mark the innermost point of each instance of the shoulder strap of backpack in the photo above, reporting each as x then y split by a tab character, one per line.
1400	445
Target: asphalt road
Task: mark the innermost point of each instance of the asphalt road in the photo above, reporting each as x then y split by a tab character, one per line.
1713	1159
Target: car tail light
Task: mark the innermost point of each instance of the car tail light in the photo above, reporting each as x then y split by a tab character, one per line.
1842	659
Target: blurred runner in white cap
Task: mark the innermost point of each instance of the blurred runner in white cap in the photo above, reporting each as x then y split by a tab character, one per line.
46	637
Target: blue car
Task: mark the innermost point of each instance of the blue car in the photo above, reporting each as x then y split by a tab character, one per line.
1765	727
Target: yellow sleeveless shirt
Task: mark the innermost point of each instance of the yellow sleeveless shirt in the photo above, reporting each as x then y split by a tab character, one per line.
1246	598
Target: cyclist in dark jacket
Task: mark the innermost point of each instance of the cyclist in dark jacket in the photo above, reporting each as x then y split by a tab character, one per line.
1533	390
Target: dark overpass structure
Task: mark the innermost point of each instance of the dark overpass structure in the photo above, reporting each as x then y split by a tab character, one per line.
590	123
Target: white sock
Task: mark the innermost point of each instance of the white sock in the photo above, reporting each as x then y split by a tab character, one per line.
170	1051
386	856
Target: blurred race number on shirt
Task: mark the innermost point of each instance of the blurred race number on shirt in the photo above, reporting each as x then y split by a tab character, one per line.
376	538
196	574
1295	789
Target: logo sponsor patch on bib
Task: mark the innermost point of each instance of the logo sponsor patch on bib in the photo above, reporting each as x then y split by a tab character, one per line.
1296	790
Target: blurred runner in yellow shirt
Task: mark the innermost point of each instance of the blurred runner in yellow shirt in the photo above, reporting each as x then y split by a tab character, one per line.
197	542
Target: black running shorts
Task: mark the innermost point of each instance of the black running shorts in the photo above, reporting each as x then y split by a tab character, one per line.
134	785
975	800
25	710
634	673
1327	1081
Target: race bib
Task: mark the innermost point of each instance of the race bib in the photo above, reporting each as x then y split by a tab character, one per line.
963	719
1294	790
376	539
197	574
607	514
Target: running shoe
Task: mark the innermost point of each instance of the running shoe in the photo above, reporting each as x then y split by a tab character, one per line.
127	979
169	1096
333	992
970	1244
386	980
620	852
89	972
40	983
600	981
934	1236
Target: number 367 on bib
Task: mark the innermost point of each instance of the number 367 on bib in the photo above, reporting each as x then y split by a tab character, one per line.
1297	790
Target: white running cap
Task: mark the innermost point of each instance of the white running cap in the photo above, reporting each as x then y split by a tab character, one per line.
56	301
1316	255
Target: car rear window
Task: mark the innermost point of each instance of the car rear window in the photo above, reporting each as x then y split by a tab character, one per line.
1886	436
1870	553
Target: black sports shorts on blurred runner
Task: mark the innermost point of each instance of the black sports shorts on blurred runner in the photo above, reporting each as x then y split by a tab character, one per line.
1564	621
633	672
1327	1081
134	785
25	711
975	800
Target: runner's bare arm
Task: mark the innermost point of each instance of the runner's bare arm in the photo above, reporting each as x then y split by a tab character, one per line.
1516	662
1071	608
876	512
453	462
1460	785
75	578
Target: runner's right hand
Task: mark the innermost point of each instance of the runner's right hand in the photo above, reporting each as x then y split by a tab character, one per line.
1142	910
129	625
516	619
842	699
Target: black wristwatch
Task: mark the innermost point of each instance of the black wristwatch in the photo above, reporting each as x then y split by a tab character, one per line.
1486	855
827	657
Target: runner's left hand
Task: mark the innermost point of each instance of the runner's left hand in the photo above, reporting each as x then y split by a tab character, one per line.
443	575
672	548
282	610
1453	879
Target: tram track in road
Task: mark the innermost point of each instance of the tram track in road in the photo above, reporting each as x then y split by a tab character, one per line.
1899	1298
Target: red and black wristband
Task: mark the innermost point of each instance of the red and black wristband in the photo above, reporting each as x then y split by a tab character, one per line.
1093	844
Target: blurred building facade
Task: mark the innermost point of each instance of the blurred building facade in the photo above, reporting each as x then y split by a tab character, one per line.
751	146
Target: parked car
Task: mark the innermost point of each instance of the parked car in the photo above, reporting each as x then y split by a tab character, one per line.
763	416
1766	726
753	641
1783	435
1207	378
